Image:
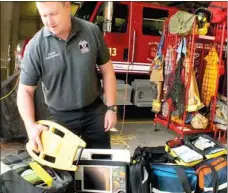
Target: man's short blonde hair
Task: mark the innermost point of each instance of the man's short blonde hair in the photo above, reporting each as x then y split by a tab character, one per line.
62	2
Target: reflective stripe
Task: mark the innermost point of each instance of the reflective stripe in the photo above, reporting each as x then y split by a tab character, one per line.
154	190
127	63
139	68
220	187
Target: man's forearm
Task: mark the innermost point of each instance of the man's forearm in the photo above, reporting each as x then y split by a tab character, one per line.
26	107
109	81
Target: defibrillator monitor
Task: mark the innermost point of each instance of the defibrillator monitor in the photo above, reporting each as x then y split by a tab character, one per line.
96	179
102	176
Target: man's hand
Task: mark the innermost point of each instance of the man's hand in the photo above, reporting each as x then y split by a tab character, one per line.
110	120
34	132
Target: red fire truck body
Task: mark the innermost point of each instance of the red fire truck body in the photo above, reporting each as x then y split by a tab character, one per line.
136	29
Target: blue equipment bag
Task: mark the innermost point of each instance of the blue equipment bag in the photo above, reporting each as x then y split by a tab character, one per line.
153	171
173	178
212	175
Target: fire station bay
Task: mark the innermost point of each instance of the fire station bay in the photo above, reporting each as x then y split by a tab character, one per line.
113	97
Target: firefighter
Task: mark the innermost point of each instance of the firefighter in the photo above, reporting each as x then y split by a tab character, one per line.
64	55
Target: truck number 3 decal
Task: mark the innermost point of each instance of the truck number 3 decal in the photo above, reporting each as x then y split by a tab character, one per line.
112	51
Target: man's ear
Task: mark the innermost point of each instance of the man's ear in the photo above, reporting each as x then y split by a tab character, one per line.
68	5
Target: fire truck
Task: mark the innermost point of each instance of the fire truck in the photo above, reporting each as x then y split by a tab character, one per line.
132	31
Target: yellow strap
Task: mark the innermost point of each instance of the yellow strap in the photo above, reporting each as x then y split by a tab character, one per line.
41	173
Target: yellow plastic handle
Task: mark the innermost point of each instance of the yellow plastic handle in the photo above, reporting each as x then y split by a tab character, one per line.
61	149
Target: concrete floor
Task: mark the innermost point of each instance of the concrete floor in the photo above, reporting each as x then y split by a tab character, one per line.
141	132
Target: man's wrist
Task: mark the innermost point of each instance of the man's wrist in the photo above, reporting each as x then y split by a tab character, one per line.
112	108
29	123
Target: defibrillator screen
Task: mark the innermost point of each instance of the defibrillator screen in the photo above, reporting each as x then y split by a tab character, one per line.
97	178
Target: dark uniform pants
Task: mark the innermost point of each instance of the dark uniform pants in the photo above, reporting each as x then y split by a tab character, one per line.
87	122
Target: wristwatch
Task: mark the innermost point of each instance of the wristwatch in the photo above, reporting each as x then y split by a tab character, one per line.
112	108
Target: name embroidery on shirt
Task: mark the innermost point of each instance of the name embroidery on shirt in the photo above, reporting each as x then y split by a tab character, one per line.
52	55
84	46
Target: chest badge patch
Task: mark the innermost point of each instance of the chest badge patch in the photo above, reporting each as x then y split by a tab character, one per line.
84	46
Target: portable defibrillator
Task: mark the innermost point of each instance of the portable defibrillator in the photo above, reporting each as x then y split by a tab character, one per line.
103	170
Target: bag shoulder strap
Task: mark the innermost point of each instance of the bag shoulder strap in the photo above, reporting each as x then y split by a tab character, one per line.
214	176
140	178
139	164
183	179
133	179
143	179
